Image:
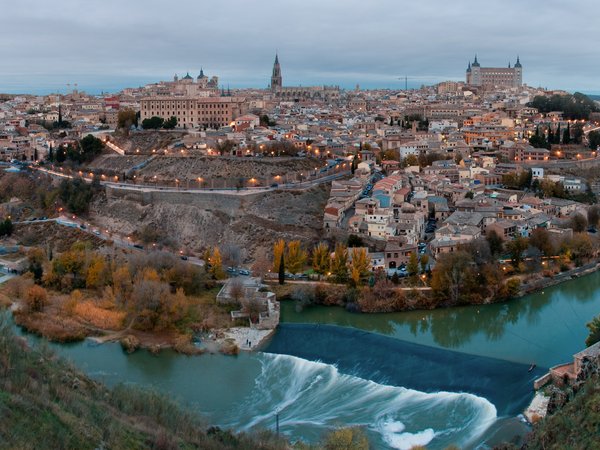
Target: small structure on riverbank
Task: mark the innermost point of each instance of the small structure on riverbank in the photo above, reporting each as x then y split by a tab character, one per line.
259	305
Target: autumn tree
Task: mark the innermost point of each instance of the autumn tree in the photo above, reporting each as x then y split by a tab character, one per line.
413	264
359	266
216	263
320	259
346	439
424	262
278	251
36	298
296	257
339	263
96	273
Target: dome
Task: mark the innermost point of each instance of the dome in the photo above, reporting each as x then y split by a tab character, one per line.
187	77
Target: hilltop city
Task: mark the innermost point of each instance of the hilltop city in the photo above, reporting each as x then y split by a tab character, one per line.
181	214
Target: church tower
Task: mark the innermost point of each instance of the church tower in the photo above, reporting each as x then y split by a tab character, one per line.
276	81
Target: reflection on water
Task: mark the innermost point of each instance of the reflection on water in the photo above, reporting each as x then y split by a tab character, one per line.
544	328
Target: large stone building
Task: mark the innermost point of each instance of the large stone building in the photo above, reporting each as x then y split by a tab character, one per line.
298	93
194	112
490	77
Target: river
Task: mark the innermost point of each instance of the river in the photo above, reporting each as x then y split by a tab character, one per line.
454	376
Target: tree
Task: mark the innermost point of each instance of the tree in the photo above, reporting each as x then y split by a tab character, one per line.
278	252
424	262
593	215
594	327
567	135
320	259
216	262
413	264
281	274
126	118
347	439
6	227
36	298
578	223
359	266
339	263
594	139
495	241
540	239
515	248
170	123
469	195
296	257
453	279
36	258
90	147
153	123
355	241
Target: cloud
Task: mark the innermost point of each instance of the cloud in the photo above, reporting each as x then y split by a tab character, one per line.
111	42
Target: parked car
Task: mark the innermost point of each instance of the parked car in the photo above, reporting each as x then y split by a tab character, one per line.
183	257
141	247
231	270
244	272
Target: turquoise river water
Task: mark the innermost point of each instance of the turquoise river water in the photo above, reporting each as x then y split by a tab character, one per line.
453	376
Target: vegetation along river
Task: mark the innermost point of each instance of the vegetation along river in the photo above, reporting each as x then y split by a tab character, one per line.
450	376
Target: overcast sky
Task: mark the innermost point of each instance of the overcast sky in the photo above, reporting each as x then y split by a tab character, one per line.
111	44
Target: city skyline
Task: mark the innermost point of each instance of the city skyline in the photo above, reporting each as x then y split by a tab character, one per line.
110	46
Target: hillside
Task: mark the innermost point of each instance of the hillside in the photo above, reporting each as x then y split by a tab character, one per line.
252	223
46	403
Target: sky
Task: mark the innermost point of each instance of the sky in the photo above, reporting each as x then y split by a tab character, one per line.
106	45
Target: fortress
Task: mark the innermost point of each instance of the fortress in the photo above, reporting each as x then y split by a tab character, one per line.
489	77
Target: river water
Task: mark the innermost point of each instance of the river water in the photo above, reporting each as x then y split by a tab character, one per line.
455	376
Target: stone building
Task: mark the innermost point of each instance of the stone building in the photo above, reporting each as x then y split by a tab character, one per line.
489	77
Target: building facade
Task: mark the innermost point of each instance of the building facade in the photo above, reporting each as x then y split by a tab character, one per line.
489	77
194	112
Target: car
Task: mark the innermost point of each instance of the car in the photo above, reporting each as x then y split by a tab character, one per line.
274	185
43	218
96	232
244	272
592	230
141	247
82	226
301	276
184	258
231	270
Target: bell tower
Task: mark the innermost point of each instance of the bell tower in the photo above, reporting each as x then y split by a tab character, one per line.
276	80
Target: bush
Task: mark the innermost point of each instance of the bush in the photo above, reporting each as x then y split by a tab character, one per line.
36	298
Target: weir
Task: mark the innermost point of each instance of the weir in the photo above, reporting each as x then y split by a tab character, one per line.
385	360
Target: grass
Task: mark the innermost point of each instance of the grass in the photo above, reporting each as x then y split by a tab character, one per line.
47	403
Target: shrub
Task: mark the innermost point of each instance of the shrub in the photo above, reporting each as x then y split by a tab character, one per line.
36	298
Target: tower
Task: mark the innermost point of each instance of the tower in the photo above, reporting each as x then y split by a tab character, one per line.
276	81
518	81
469	73
476	73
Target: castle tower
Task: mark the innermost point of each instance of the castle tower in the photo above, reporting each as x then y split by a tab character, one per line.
476	73
518	73
469	73
276	80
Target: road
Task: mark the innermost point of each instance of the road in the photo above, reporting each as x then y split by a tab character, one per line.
304	185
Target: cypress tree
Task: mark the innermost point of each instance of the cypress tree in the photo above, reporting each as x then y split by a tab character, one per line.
550	135
567	135
282	270
557	135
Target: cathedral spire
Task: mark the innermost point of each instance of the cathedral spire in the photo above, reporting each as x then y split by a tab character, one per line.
276	79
